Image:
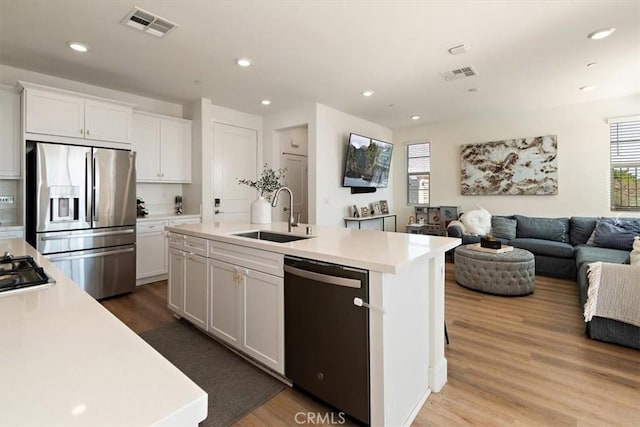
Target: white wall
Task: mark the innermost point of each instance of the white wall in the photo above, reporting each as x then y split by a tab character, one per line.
583	158
333	201
294	140
305	115
11	75
160	198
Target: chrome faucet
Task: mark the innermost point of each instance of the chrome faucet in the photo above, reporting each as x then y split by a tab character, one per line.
292	221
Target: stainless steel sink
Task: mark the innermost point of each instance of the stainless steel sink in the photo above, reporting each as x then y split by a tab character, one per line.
271	237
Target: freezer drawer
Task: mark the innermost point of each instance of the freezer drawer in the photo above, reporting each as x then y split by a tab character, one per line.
326	335
65	241
100	272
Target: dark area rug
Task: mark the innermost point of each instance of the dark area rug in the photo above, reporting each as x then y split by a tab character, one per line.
235	386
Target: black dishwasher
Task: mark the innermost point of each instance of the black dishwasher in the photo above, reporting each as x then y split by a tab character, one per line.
326	334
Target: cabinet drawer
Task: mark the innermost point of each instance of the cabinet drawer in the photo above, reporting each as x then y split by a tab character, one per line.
195	245
176	241
184	221
255	259
150	227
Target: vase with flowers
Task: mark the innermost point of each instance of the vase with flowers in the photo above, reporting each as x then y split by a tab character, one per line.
268	182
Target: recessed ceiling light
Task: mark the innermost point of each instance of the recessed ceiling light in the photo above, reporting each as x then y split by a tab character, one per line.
600	34
415	117
243	62
265	102
368	93
473	89
78	47
587	88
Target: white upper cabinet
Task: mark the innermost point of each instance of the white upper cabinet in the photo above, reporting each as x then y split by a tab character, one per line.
145	141
66	114
9	133
53	113
163	145
105	121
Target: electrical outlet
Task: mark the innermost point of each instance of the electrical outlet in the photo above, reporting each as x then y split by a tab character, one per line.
6	199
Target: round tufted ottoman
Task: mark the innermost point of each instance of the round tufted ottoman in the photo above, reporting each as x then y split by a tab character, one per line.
509	273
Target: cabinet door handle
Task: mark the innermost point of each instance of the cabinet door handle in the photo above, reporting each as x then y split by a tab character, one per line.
87	131
81	131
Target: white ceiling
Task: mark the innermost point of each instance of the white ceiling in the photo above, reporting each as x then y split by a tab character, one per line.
528	54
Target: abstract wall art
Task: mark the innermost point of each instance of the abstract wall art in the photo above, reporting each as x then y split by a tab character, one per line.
524	166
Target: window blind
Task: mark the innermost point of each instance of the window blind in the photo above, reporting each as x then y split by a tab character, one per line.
625	165
418	173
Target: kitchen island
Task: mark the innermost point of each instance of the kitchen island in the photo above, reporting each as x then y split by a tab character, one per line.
406	296
65	360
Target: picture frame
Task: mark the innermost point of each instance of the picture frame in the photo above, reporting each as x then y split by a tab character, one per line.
375	208
364	212
384	207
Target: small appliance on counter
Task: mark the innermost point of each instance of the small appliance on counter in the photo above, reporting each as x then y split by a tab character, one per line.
141	210
178	205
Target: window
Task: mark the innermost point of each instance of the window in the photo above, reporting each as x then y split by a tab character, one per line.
418	172
625	164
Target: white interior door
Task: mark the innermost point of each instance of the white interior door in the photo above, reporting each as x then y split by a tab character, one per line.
234	157
296	180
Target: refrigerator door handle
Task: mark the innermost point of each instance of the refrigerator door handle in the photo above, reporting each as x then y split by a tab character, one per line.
96	190
88	187
95	255
78	236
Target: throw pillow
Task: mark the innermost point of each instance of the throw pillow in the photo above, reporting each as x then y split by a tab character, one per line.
503	228
556	229
613	236
593	233
477	221
635	253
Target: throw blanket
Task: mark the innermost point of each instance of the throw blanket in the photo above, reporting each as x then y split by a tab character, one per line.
614	292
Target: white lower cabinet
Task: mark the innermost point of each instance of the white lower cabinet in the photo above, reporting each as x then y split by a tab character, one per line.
175	293
225	294
244	306
151	254
188	285
247	311
196	290
263	318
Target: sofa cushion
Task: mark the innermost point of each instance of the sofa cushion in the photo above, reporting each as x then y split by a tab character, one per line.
580	229
556	229
616	236
544	247
503	227
476	221
587	254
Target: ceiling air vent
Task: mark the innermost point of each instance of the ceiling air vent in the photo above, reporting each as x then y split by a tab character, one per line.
459	73
148	22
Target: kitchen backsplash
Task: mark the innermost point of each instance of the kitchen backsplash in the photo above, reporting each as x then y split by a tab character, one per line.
10	213
159	198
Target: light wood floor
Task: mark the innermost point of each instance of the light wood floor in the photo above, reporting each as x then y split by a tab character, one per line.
511	361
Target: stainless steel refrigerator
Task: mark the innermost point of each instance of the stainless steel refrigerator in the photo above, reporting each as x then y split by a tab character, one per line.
81	213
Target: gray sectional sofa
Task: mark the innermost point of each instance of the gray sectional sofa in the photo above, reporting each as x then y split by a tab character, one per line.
562	249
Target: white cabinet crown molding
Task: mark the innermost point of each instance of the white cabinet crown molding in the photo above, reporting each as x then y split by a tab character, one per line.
28	85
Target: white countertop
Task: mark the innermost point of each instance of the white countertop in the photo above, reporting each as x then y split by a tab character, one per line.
10	226
162	217
66	361
369	249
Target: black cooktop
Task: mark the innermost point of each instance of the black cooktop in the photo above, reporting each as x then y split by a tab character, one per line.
20	272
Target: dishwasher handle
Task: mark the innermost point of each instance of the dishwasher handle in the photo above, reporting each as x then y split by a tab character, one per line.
324	278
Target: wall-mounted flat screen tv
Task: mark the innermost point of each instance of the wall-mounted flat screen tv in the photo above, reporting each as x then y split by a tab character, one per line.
368	162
